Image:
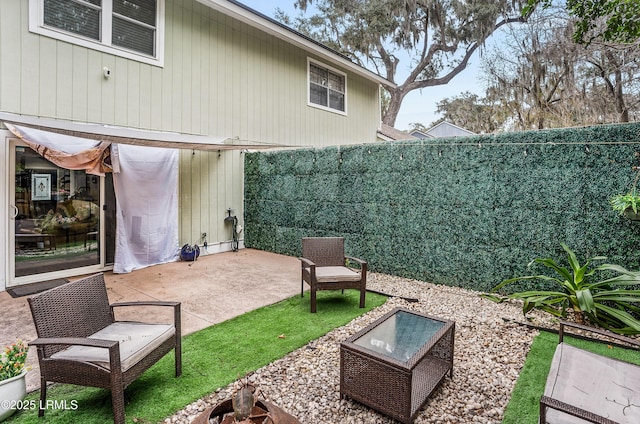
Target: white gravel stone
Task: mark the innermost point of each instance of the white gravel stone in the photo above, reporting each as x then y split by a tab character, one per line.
489	353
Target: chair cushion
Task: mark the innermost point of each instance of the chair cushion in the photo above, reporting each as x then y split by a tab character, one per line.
136	341
329	274
594	383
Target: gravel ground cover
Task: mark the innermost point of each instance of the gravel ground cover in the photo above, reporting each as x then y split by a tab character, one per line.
489	354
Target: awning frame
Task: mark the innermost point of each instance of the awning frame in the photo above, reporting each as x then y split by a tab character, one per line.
123	135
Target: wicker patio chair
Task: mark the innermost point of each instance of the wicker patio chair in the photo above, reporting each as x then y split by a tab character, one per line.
324	267
80	342
586	387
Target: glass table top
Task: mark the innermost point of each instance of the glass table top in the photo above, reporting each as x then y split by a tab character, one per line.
400	336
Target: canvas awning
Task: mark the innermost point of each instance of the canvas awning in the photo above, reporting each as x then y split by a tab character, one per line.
122	135
67	151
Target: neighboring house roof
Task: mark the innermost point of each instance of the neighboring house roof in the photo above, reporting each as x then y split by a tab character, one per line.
252	17
420	134
447	129
389	133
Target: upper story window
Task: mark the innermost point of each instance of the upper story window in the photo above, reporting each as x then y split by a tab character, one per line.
327	88
129	28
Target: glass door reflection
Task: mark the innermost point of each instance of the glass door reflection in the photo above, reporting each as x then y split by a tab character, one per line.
57	219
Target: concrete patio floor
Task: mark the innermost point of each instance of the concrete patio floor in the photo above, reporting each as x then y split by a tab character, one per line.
212	289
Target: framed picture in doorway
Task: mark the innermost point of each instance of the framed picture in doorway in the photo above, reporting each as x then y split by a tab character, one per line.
40	186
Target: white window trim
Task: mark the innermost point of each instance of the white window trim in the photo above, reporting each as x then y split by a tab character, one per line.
36	26
335	71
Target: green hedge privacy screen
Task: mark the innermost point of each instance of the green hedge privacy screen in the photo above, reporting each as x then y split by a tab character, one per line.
467	212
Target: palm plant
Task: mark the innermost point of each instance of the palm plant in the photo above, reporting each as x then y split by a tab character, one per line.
612	302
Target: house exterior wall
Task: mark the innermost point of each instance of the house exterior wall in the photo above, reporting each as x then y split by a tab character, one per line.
220	77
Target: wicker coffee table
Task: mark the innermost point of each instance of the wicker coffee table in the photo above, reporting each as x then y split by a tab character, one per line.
394	364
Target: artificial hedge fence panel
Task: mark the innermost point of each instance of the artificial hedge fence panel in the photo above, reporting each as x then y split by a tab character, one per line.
467	212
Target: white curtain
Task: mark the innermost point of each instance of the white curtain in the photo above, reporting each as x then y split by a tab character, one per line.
147	212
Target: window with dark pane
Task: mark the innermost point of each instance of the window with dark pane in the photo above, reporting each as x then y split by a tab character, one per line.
134	25
317	88
318	94
127	24
80	17
336	82
336	100
336	91
326	88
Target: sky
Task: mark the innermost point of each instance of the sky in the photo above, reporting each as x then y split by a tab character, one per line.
418	106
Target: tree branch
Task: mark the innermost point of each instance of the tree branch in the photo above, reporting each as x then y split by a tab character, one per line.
414	83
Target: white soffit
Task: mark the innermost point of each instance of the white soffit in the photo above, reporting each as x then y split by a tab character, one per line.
253	18
123	135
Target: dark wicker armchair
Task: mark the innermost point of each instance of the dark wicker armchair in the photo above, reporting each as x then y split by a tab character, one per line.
324	268
80	342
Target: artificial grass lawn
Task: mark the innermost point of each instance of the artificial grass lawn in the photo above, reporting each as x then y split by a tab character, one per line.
524	406
211	358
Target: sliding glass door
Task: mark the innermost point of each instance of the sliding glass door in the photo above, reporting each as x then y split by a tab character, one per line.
58	221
